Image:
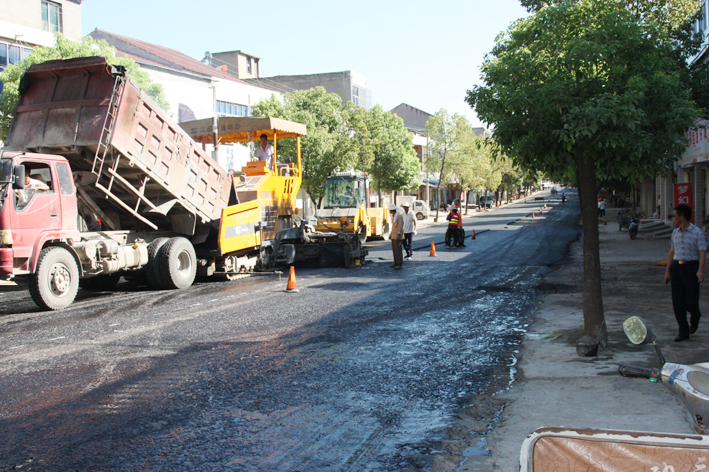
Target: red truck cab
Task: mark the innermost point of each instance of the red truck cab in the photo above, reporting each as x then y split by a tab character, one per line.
42	214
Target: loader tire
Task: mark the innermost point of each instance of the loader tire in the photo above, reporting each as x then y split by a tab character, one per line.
152	271
54	284
177	263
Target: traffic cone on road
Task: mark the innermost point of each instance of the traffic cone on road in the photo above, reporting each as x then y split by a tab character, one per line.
433	249
473	236
532	214
292	287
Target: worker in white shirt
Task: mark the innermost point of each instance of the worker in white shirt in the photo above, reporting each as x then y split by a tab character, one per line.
409	221
265	152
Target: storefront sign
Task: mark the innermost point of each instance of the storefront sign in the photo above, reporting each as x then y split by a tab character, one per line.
698	144
683	196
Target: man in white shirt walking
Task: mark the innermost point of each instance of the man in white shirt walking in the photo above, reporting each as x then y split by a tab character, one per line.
409	220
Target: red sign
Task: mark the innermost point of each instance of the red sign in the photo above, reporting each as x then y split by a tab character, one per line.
683	196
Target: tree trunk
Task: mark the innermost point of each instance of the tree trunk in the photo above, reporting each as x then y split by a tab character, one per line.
594	323
440	180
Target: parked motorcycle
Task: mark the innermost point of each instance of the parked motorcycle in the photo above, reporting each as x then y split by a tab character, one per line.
633	226
689	382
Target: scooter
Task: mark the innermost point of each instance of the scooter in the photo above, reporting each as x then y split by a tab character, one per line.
689	382
633	226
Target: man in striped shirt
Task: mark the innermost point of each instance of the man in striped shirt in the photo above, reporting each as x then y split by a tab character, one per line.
685	270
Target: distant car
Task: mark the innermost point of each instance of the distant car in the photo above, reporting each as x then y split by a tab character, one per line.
486	201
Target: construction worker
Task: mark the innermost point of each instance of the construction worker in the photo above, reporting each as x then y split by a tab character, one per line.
396	235
453	231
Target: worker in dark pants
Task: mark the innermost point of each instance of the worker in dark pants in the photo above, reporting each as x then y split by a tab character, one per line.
685	270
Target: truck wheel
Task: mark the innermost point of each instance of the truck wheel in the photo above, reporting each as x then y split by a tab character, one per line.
100	282
178	263
152	270
419	216
54	284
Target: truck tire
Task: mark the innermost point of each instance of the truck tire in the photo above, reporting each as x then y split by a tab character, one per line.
100	282
177	263
152	270
55	282
419	216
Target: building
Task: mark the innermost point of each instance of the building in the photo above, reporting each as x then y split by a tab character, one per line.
193	89
430	190
25	24
350	86
691	168
238	63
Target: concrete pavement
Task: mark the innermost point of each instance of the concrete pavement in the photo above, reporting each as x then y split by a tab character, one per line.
555	387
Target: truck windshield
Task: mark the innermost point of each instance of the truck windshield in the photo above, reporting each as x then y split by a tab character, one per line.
5	179
341	193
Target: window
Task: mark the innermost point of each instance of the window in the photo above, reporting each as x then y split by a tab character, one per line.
233	109
3	56
355	95
248	65
51	17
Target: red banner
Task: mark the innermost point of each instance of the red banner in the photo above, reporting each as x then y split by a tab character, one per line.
683	196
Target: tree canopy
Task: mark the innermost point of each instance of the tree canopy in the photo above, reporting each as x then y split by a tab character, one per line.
583	89
65	48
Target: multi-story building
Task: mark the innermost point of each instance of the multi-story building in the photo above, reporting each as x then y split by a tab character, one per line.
430	190
25	24
692	167
350	86
239	64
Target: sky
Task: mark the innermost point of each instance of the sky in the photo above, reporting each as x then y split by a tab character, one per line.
423	53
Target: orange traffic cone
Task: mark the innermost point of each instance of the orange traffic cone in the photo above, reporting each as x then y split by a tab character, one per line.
473	236
433	249
532	214
292	287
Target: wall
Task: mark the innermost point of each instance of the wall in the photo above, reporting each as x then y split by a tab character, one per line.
24	18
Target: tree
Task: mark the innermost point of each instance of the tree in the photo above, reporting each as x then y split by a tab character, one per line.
345	137
583	89
395	165
667	14
444	134
65	48
325	149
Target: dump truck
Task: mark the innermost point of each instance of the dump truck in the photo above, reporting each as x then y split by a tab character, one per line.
96	182
345	206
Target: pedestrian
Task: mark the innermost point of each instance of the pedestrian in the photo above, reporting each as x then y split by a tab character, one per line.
409	228
452	232
396	235
601	208
685	270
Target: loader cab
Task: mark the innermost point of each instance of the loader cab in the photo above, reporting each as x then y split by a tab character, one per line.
345	191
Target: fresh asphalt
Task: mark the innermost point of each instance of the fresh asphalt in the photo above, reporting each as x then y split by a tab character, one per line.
363	369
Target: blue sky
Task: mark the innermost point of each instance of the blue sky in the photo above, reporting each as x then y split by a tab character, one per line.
424	53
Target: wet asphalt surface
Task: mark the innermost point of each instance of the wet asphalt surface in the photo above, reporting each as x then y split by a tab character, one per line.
363	369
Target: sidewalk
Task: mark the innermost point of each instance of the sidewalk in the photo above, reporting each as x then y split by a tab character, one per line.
556	387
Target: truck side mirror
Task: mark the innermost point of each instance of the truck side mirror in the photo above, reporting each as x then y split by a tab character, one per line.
18	174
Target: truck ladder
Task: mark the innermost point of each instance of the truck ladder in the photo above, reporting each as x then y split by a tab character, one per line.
109	125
